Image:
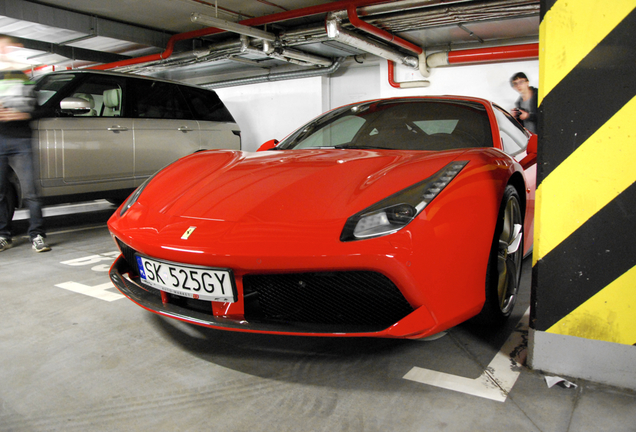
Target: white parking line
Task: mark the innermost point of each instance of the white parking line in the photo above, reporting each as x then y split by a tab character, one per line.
496	381
96	262
97	291
94	259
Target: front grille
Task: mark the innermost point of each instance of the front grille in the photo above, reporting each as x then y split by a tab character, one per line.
355	298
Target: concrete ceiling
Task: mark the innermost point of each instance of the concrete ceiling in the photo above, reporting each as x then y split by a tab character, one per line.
86	33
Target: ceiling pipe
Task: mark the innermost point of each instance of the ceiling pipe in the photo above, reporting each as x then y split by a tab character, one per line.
288	55
277	77
295	56
484	55
251	22
247	48
355	20
161	56
405	5
336	32
306	57
232	27
405	84
218	52
352	15
470	56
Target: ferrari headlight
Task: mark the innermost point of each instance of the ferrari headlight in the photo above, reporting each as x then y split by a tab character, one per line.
132	199
398	210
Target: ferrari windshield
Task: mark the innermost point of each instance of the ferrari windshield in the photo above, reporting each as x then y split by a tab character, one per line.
398	125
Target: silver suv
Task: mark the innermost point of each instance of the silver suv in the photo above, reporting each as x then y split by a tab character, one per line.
105	133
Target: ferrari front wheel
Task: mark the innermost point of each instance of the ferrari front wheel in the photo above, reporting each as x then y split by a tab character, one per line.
504	265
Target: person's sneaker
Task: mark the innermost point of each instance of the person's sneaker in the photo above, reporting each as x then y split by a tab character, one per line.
39	245
5	243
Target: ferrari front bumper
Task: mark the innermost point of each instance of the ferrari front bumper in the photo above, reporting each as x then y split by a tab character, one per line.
414	323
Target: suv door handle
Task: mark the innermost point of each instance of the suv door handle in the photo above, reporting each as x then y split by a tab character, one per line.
184	129
117	128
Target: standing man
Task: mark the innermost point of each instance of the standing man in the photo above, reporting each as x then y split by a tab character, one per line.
526	106
17	104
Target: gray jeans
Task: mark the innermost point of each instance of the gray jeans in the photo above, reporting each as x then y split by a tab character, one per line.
18	151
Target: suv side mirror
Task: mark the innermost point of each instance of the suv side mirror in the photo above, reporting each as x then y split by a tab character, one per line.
531	150
74	105
268	145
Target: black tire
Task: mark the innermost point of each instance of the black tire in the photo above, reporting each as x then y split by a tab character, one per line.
506	257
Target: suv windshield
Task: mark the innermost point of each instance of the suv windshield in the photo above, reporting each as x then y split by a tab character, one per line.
397	124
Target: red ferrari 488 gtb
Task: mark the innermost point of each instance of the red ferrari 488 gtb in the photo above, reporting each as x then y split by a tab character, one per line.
388	218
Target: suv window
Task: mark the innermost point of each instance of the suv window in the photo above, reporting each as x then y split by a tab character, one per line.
104	94
206	105
159	100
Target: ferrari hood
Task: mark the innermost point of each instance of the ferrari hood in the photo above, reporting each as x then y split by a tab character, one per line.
291	185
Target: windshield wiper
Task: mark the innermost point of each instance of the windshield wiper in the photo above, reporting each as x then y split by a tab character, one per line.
361	147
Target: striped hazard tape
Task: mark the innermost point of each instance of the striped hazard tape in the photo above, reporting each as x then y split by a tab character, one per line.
585	243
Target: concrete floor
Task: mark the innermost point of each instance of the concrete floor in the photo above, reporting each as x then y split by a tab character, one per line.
76	356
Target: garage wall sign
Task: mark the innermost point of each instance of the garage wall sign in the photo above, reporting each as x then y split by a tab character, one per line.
584	263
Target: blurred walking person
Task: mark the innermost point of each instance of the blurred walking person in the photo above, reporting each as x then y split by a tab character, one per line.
17	109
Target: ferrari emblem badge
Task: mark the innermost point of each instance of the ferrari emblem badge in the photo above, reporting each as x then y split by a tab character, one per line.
188	233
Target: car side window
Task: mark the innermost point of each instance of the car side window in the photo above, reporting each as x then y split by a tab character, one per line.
49	85
513	136
206	105
158	100
105	96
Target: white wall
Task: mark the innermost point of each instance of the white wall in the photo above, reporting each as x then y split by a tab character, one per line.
275	109
491	81
354	84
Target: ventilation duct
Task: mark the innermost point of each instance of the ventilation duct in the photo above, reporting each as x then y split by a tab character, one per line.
336	32
277	77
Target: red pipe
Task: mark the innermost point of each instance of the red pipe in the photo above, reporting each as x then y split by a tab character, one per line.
37	68
488	55
406	84
479	55
267	19
382	34
392	81
164	55
310	10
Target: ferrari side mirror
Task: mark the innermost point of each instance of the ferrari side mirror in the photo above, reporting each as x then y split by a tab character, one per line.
268	145
531	150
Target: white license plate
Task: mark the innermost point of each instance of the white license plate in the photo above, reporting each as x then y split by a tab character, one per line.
193	282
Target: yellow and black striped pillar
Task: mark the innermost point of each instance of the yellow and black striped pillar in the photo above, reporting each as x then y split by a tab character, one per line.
584	261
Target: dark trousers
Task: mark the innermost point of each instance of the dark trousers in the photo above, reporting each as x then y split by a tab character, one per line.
18	151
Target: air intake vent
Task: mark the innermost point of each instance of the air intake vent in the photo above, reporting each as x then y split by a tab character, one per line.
365	300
